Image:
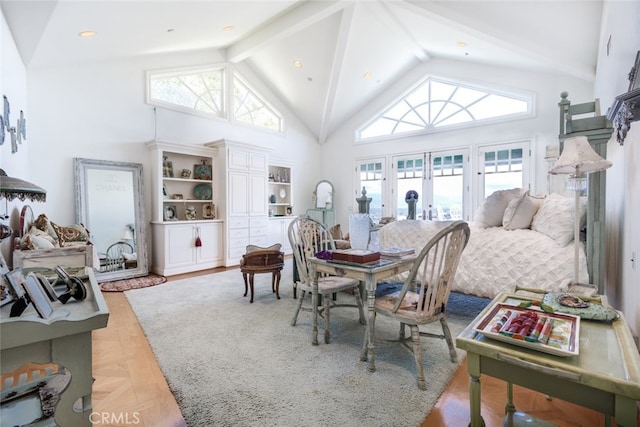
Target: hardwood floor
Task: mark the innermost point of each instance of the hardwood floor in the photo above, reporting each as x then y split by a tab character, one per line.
129	388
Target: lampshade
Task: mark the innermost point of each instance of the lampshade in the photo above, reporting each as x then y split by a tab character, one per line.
578	158
15	188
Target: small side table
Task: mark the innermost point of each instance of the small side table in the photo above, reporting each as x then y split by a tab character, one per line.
262	260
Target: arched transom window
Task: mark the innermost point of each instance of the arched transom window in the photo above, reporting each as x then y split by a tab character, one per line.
437	103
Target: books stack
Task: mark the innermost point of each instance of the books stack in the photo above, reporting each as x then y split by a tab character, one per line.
397	252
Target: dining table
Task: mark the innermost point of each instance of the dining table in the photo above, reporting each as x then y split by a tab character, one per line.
369	274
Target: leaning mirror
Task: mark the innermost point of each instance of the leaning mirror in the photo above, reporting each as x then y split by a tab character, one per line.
110	203
324	194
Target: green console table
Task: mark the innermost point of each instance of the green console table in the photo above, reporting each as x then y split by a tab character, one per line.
63	339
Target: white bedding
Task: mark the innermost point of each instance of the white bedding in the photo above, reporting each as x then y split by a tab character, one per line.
495	259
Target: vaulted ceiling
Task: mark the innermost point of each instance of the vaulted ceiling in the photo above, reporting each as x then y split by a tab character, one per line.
350	51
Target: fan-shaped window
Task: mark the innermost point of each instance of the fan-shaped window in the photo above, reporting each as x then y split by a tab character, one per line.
200	90
249	107
437	104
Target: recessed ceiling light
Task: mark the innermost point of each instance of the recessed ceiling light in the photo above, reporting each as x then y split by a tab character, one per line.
228	28
88	33
461	44
297	63
170	30
367	75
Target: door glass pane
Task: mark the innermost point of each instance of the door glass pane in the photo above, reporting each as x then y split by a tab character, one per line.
448	187
503	170
409	177
370	177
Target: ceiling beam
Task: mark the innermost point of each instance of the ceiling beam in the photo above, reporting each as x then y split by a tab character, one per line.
292	21
418	51
337	67
493	35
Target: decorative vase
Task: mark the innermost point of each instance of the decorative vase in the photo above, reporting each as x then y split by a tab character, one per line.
359	231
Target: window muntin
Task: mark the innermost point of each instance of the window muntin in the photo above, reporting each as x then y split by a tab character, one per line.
437	103
200	90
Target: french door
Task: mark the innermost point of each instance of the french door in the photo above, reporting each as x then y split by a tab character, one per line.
441	181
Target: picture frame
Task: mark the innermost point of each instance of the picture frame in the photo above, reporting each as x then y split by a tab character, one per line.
38	297
289	210
634	74
15	278
202	171
46	286
170	213
190	213
165	194
6	295
167	168
209	211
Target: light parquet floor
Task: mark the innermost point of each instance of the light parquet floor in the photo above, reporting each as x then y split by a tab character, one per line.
129	388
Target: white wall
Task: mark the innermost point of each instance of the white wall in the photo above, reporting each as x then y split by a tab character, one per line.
621	33
339	152
13	84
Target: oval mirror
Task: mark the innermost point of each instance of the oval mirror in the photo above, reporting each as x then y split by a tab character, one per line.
110	203
324	194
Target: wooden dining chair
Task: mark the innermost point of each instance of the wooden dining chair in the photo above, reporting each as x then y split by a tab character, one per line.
308	237
434	270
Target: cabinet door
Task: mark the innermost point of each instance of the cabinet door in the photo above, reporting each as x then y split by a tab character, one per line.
286	246
239	195
258	195
211	239
238	159
258	162
179	245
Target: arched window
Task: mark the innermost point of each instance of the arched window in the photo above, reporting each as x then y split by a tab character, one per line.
437	103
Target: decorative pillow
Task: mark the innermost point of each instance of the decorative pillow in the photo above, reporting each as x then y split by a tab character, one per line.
520	212
555	218
42	240
43	223
71	233
492	209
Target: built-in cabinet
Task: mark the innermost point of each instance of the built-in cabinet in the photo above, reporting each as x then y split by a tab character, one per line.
186	230
278	232
241	173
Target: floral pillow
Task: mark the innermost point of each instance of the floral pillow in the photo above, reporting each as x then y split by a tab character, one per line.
43	223
71	233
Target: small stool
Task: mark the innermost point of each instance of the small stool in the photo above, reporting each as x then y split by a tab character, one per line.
262	260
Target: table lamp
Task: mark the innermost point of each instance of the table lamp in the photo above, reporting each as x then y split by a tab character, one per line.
578	160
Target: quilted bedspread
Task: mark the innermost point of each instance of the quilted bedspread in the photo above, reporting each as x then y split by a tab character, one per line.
495	259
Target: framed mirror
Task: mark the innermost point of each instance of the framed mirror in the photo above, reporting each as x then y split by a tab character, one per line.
324	194
110	203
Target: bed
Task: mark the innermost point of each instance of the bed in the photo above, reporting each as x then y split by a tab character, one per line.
516	239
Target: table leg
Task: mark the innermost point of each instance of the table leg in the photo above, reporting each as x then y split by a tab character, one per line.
509	407
370	286
314	305
473	367
625	409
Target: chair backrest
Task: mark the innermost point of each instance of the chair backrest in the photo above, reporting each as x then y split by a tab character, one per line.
308	237
435	268
115	258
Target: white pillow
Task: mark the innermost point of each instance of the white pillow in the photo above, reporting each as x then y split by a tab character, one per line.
492	209
40	242
555	218
520	212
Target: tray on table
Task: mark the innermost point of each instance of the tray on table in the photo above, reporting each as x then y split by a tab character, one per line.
564	336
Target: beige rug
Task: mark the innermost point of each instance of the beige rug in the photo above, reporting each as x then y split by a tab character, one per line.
232	363
134	283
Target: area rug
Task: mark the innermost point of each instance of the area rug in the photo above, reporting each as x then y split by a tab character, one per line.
133	283
232	363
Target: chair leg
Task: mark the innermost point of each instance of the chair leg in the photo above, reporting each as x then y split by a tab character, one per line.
447	337
327	316
295	315
365	345
417	354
